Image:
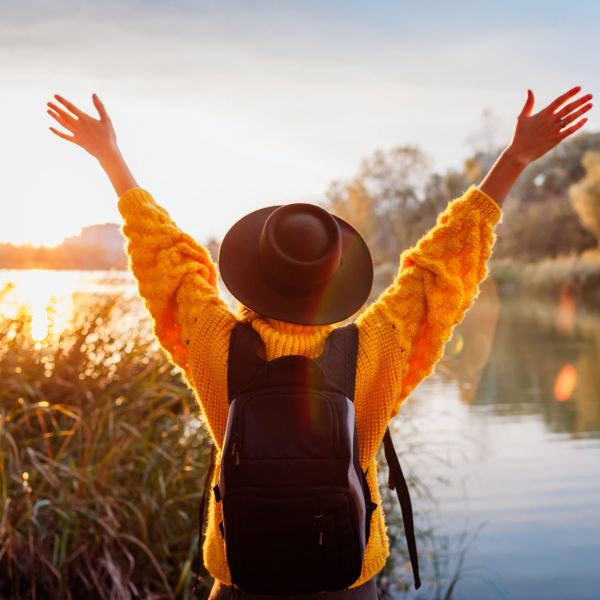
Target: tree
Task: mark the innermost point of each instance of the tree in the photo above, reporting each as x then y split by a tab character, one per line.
585	194
384	200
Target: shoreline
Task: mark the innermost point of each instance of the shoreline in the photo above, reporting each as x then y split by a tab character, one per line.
577	277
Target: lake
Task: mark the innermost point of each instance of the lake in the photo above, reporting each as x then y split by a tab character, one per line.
522	451
505	436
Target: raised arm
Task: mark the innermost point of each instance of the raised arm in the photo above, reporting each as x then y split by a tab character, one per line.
176	276
406	329
534	135
96	136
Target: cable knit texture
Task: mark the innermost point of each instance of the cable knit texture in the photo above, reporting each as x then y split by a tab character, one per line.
401	335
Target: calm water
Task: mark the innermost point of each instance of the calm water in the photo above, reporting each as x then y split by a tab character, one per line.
521	436
507	429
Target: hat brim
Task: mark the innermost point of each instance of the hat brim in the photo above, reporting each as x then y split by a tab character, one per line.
342	296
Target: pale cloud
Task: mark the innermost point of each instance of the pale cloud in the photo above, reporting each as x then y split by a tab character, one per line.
223	108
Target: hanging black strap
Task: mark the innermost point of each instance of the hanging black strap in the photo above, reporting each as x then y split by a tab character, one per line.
398	483
207	482
338	360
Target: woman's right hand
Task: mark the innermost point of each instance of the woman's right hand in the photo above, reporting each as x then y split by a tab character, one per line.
96	136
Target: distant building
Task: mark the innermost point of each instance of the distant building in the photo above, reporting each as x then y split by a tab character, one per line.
106	239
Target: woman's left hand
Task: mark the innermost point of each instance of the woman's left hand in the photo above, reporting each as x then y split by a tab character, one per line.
536	134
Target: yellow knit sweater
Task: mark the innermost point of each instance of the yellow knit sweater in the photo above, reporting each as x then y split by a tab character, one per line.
401	335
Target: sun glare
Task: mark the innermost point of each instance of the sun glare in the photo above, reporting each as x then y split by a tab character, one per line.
48	297
45	296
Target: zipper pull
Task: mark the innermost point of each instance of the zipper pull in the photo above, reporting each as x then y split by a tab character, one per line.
319	522
235	448
234	445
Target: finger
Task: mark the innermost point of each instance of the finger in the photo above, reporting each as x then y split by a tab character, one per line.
59	119
528	106
562	99
78	113
100	108
574	116
64	136
563	112
567	132
65	115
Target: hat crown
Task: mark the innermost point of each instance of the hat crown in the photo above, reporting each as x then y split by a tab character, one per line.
300	247
301	236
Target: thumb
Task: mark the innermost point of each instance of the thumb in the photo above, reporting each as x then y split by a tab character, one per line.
528	106
100	108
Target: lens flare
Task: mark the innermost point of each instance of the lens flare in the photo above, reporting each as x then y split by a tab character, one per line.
456	344
565	383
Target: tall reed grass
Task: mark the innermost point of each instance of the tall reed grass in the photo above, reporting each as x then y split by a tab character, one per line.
102	461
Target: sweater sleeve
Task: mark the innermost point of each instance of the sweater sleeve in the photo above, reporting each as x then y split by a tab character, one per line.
403	333
178	281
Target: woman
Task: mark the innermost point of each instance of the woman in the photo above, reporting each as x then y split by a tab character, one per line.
401	335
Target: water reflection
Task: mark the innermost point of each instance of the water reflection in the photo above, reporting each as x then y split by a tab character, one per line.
539	358
468	351
50	298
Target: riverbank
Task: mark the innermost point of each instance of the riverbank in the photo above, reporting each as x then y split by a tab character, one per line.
576	276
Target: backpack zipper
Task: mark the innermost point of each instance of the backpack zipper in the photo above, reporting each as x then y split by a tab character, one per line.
336	428
235	448
318	519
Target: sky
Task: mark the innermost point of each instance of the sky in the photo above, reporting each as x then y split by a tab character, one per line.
223	107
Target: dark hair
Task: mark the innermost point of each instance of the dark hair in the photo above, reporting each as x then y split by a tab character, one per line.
243	313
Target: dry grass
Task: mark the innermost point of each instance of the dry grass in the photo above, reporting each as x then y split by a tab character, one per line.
101	463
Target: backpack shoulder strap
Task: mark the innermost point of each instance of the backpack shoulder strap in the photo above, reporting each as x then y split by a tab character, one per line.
244	364
338	360
397	482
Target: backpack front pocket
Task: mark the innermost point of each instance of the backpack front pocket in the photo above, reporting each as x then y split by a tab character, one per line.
292	541
288	424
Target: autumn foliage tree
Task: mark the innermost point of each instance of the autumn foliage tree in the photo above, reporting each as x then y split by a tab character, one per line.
585	194
393	199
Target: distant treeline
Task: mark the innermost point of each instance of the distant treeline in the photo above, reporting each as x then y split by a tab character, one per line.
79	257
97	247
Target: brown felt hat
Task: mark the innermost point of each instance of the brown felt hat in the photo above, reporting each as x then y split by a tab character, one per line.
297	263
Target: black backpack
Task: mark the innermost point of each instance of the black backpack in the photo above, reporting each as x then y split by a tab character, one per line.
296	504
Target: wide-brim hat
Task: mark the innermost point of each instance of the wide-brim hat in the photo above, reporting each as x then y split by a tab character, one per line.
297	263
